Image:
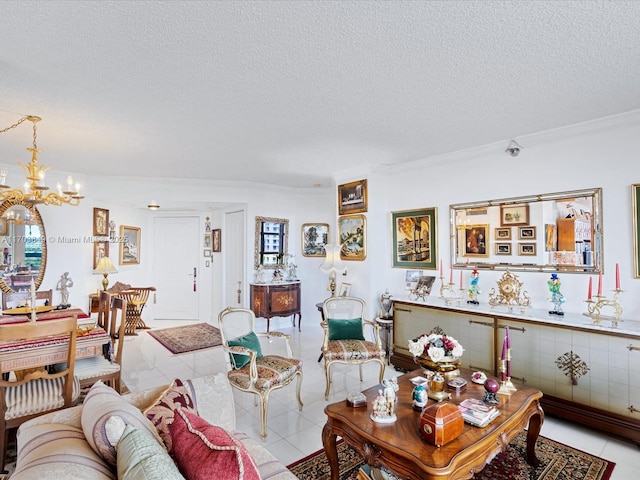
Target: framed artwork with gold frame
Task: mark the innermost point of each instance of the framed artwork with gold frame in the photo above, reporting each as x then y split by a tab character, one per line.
129	245
314	237
352	197
352	231
100	222
476	239
100	249
517	214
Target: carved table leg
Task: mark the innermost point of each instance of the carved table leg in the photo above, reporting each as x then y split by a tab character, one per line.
329	443
535	424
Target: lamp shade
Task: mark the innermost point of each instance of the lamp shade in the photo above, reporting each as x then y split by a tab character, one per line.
332	262
105	265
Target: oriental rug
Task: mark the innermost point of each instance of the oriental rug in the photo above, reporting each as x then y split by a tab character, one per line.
557	462
188	338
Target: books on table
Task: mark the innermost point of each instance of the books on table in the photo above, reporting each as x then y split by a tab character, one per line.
477	413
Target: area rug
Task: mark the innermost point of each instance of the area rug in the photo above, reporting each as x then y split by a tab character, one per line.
188	338
557	462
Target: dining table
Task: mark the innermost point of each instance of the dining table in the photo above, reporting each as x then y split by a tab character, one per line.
25	354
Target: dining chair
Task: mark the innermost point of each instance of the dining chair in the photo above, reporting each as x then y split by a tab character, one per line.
15	299
344	341
108	367
38	391
250	370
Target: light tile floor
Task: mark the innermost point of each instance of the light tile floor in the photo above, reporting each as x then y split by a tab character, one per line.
293	434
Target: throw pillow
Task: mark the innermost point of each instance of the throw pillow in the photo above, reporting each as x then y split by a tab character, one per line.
345	329
101	403
250	341
140	457
203	451
161	413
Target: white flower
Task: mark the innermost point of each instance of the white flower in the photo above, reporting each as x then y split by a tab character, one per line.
458	350
436	354
416	348
437	347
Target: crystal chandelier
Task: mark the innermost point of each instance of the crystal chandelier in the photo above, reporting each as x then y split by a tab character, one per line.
34	191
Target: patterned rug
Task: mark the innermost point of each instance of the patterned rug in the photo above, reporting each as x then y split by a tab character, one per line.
188	338
557	462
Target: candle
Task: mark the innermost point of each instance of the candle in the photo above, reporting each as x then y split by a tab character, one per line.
451	274
617	277
589	289
507	337
441	275
504	349
460	279
600	284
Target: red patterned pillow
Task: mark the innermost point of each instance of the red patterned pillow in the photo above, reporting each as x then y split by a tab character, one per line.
203	451
162	412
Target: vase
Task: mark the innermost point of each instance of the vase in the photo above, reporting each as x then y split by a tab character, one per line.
449	368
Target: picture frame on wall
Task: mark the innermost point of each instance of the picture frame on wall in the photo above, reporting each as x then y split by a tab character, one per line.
352	197
517	214
414	235
216	244
207	241
526	233
100	222
635	196
550	237
503	249
528	249
129	245
503	234
411	279
345	289
314	237
476	240
206	252
100	249
352	231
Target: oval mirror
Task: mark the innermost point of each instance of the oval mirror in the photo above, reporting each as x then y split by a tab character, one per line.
557	232
23	245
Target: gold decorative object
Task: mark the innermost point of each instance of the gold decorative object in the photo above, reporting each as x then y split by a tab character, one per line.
34	190
448	292
594	308
572	366
510	293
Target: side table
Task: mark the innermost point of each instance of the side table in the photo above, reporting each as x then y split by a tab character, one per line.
386	325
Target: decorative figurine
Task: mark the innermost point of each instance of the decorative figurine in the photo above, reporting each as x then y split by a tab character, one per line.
556	297
474	290
277	276
260	274
63	286
491	386
386	304
383	408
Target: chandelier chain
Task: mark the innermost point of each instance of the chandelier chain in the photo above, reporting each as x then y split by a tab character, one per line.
23	119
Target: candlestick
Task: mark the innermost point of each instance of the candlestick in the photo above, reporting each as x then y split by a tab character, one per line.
507	337
451	274
589	290
460	278
617	277
600	283
441	275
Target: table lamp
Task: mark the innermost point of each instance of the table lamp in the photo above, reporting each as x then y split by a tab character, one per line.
332	264
105	267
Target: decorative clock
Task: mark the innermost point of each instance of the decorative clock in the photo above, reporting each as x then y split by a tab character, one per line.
509	293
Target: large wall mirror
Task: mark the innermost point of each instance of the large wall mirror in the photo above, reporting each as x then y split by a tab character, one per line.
271	247
557	232
23	245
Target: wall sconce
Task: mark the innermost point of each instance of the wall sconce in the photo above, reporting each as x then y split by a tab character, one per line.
514	148
105	267
332	264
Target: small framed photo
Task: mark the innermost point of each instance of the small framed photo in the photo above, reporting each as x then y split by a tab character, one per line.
503	249
100	222
206	252
100	249
527	249
526	233
314	237
503	233
411	279
550	237
352	197
425	283
129	245
345	289
207	241
216	244
514	215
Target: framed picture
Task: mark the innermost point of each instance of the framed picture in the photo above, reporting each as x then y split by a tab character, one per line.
514	215
550	237
3	226
206	252
352	230
207	241
526	233
425	283
503	249
129	245
635	196
476	239
100	222
345	289
526	249
314	237
411	279
503	233
352	197
216	233
414	238
100	249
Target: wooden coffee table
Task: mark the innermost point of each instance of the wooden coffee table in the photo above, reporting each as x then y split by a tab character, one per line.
400	447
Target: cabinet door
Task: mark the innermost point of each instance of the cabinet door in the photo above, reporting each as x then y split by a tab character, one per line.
260	300
285	300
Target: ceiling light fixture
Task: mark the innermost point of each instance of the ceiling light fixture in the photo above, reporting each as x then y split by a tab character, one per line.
153	205
34	190
513	149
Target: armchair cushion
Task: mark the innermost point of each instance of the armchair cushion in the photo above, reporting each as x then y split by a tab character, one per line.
345	329
250	341
273	370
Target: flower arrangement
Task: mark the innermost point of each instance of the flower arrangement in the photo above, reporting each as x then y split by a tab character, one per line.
436	347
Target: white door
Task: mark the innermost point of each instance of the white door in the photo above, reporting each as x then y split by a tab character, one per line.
234	248
176	259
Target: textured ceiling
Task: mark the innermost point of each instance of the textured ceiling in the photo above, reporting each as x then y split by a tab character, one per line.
287	92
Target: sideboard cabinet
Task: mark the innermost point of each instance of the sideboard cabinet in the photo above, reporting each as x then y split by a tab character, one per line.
588	373
276	300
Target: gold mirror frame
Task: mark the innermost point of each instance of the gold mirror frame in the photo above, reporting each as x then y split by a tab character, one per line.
528	228
285	247
6	205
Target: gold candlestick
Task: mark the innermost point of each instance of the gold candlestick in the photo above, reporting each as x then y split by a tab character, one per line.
594	308
504	389
448	292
